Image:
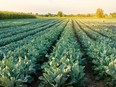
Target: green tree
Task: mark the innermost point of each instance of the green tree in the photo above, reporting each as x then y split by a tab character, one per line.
100	13
59	14
36	14
49	15
113	15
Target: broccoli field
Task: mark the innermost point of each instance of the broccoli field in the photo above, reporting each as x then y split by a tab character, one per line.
57	52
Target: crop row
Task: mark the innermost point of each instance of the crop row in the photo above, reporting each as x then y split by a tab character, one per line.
12	46
64	66
15	71
28	48
108	31
31	24
22	29
23	54
20	36
19	22
102	55
98	36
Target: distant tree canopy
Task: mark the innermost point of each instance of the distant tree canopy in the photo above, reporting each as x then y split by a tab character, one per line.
59	14
100	13
85	15
49	15
15	15
113	15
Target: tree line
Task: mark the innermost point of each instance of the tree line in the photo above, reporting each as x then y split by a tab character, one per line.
99	14
15	15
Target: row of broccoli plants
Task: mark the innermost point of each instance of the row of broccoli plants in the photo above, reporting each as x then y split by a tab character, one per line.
107	31
20	36
102	55
20	30
104	30
9	29
12	46
98	37
64	67
4	24
14	72
38	46
107	27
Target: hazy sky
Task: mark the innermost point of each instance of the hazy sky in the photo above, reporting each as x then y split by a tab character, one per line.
52	6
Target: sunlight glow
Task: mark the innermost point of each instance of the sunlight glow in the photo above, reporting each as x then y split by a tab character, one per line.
52	6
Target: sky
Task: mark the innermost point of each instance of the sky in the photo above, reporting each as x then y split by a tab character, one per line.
53	6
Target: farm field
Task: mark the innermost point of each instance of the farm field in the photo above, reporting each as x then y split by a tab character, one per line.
57	52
